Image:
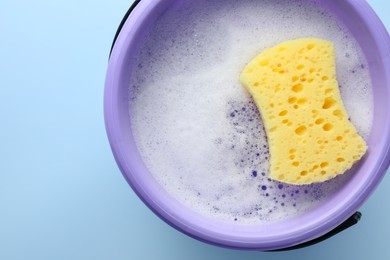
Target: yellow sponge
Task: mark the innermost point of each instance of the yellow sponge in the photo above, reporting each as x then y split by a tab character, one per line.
310	137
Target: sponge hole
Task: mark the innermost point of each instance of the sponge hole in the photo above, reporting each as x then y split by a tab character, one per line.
292	100
324	164
297	88
294	78
283	113
301	130
338	113
310	46
302	101
264	63
328	91
327	127
328	103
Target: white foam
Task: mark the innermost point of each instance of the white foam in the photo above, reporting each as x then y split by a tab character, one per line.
196	127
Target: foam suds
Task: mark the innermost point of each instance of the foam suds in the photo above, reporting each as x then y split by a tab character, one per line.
196	127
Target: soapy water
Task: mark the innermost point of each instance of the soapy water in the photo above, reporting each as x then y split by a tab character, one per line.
197	129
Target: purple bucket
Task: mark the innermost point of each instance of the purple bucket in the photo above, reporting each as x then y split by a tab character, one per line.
374	40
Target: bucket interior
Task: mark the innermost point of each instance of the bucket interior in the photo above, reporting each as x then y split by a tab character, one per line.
343	201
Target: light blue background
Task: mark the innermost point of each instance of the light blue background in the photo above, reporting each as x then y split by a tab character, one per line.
61	193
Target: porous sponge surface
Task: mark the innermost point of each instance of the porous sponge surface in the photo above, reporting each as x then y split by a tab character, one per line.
310	137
